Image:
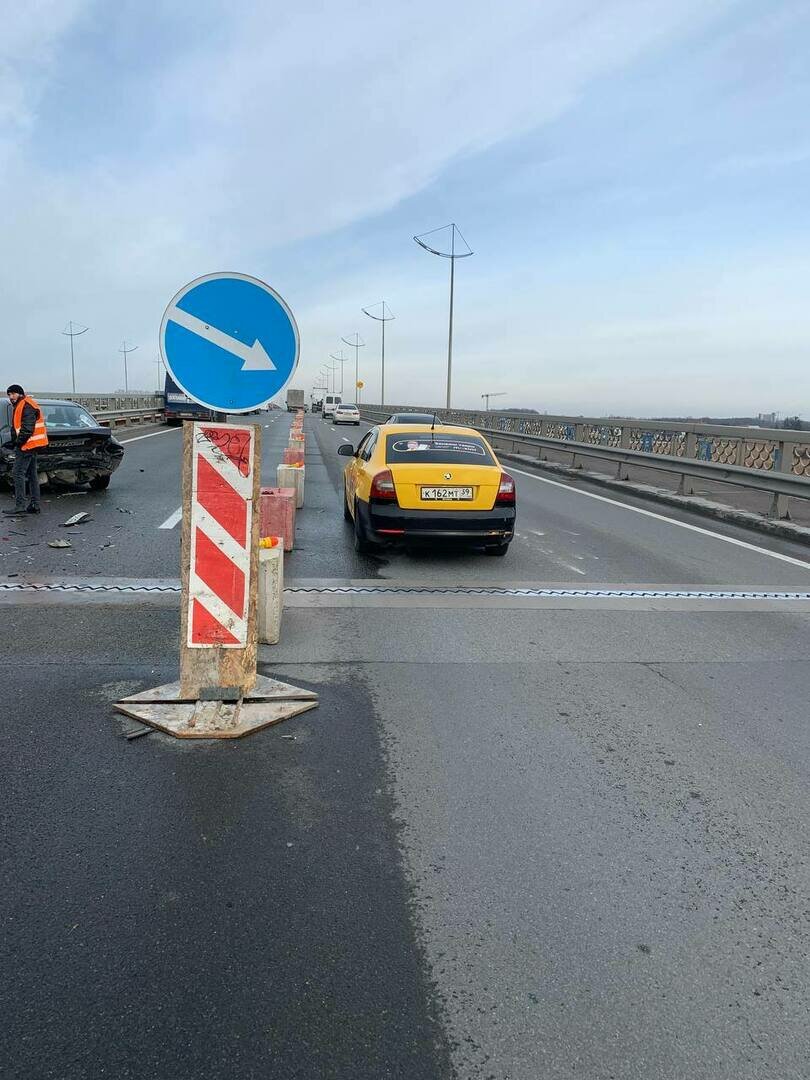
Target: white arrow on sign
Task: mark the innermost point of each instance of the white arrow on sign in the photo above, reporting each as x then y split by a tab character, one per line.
254	357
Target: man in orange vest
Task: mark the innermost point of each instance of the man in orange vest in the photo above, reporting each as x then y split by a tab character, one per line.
30	435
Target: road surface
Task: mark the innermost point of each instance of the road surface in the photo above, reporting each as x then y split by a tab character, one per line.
525	835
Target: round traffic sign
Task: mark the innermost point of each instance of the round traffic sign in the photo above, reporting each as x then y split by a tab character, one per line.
229	341
360	384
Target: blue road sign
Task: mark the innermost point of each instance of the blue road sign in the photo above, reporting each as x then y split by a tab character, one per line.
229	341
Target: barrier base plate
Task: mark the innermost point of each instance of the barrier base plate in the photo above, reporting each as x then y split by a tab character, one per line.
270	702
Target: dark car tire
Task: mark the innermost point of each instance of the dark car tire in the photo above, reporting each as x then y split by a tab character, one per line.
496	549
361	543
347	516
100	483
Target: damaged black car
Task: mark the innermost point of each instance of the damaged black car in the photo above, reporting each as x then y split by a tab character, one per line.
79	450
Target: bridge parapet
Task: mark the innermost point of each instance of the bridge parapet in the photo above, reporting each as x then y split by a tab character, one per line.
768	449
114	410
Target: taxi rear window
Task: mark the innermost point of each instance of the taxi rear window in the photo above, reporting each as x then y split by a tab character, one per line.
433	448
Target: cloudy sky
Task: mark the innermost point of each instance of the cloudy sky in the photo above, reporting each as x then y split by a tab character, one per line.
632	175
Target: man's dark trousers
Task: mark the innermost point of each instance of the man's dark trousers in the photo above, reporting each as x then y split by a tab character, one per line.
25	469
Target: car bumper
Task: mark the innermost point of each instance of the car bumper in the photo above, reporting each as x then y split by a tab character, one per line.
387	523
66	466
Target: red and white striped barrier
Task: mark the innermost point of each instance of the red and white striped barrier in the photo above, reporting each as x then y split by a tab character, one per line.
220	536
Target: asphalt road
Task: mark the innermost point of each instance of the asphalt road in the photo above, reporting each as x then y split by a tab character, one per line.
562	536
517	840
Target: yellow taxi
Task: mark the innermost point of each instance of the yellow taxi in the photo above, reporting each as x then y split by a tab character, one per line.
414	482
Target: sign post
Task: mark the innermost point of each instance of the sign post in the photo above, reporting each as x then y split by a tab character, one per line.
220	544
231	343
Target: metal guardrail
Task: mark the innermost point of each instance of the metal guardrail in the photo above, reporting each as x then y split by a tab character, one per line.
765	459
116	410
129	416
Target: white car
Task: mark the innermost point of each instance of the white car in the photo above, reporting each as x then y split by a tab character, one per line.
347	414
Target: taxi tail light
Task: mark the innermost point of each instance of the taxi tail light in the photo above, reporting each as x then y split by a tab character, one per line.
382	487
506	491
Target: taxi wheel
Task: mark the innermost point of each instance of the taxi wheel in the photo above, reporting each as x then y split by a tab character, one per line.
497	549
361	544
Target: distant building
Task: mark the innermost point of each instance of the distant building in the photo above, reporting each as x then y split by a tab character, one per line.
767	418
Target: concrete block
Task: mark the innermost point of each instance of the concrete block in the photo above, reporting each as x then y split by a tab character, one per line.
271	590
292	476
277	513
293	457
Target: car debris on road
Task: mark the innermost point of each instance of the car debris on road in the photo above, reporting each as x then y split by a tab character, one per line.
77	519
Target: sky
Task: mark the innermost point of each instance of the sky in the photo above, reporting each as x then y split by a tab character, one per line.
631	175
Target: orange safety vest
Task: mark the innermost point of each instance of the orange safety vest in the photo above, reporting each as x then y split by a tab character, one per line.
40	436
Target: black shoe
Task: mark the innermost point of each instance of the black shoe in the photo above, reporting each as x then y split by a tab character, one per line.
15	513
33	510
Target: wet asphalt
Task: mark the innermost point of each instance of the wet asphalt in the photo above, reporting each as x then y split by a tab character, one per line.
196	910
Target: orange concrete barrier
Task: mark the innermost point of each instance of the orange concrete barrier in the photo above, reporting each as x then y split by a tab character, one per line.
277	514
292	457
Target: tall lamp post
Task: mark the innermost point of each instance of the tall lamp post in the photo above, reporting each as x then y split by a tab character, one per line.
341	360
125	351
73	330
383	316
357	345
452	255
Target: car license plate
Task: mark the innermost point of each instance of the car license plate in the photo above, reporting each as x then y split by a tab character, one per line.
447	494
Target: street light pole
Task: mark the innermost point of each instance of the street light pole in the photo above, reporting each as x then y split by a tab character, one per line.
384	317
357	345
341	360
72	332
125	350
452	255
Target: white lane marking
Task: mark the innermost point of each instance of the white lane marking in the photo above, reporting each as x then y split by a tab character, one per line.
566	565
547	551
344	440
172	519
670	521
151	434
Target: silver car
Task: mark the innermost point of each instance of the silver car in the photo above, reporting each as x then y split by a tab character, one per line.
347	414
